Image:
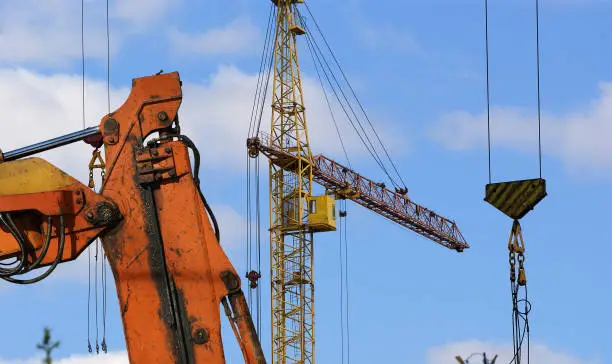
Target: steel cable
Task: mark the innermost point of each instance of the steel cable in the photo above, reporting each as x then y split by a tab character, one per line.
537	11
354	94
488	87
370	148
329	106
256	110
104	280
346	285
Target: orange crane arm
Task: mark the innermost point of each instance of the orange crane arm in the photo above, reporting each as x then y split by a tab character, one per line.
348	184
170	271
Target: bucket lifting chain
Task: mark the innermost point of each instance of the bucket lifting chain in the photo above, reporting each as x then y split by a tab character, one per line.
518	279
96	162
516	250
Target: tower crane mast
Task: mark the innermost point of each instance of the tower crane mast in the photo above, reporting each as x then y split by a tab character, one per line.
296	214
291	239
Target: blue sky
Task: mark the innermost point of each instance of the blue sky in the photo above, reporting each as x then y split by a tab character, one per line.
419	69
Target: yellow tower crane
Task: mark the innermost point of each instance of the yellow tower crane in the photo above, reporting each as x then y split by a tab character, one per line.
291	238
295	213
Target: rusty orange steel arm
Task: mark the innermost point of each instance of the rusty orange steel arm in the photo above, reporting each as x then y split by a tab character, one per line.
171	274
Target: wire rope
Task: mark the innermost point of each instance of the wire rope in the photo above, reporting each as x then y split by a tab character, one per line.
255	110
329	106
341	264
89	346
488	85
369	146
537	11
354	94
346	285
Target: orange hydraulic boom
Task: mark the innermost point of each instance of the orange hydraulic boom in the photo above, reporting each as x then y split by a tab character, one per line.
171	274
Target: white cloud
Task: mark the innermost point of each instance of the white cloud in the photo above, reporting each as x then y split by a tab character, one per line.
232	226
215	113
578	2
47	32
238	37
580	139
218	112
386	36
44	107
539	353
140	14
120	357
443	354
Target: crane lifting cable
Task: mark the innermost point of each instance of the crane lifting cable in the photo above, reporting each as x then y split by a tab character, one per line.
327	66
352	90
515	199
297	213
322	61
96	162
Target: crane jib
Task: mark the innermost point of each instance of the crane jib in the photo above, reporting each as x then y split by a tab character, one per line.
395	206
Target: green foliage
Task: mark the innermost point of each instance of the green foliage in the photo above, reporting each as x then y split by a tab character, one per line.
48	345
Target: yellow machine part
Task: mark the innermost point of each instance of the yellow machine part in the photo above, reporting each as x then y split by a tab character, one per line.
31	175
322	213
516	198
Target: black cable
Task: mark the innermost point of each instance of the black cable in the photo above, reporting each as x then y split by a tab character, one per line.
320	56
258	214
62	239
264	58
372	151
488	88
527	310
249	225
108	73
354	94
196	179
518	334
83	55
341	285
22	268
369	145
89	348
107	57
96	295
104	280
258	240
329	106
267	78
346	286
7	221
44	250
516	359
539	94
515	329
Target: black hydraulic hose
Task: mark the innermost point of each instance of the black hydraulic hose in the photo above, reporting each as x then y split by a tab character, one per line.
6	220
196	178
60	251
44	250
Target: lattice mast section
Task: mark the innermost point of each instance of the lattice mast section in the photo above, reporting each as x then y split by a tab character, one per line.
291	242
